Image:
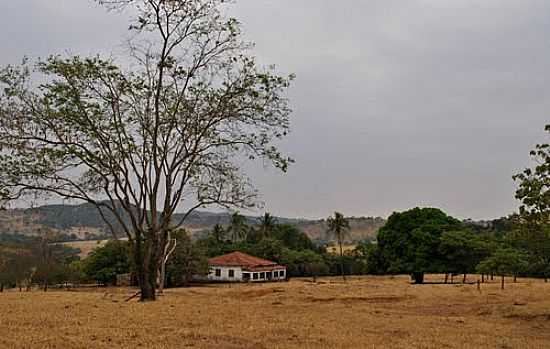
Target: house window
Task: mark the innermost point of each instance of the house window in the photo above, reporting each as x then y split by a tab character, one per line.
276	274
268	275
231	273
246	276
262	275
282	274
255	276
218	272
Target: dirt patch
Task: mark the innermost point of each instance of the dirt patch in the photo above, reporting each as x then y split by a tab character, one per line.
372	299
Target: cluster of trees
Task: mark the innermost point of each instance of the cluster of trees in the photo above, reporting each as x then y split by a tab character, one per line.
27	261
426	240
281	243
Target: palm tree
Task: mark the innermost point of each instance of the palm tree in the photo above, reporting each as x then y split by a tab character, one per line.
218	233
338	226
267	224
238	227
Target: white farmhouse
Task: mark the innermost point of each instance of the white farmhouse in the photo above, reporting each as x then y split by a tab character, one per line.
241	267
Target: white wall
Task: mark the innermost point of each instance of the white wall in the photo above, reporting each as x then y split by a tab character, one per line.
238	275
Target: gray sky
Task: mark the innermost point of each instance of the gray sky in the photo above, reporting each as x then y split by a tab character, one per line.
397	103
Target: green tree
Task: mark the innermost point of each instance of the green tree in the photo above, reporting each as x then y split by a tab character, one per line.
238	228
105	263
463	251
534	186
136	140
339	227
292	237
303	263
534	240
267	225
187	260
505	261
268	248
409	241
369	254
218	233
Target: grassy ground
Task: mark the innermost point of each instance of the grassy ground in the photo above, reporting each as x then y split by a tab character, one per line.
365	312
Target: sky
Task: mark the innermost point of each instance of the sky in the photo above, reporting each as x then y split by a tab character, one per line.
397	104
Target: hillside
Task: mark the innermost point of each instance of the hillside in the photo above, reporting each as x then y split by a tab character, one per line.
84	222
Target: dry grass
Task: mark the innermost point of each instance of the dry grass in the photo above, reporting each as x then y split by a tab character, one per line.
86	247
369	312
335	249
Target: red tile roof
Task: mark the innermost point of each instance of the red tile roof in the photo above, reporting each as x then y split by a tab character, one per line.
239	259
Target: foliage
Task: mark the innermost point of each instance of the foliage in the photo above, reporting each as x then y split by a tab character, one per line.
369	254
238	229
105	263
187	260
505	261
463	251
534	185
409	242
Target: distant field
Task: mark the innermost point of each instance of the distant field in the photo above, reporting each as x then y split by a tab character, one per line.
366	312
86	247
336	249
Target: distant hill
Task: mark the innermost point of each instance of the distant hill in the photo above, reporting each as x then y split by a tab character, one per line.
85	222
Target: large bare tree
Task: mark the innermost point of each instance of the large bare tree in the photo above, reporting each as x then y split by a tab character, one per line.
162	131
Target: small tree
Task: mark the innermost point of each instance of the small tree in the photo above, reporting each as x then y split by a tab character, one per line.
505	261
187	261
105	263
339	227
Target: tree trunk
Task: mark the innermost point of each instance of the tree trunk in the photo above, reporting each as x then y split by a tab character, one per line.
515	278
446	277
342	260
452	278
492	274
545	279
483	278
146	261
46	286
418	277
464	279
1	287
167	252
502	283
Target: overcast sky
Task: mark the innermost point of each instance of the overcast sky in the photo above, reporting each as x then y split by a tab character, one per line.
396	104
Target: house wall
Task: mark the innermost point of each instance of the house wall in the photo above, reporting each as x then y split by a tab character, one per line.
225	274
224	277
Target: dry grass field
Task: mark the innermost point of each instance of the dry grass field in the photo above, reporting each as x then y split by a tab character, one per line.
335	249
365	312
